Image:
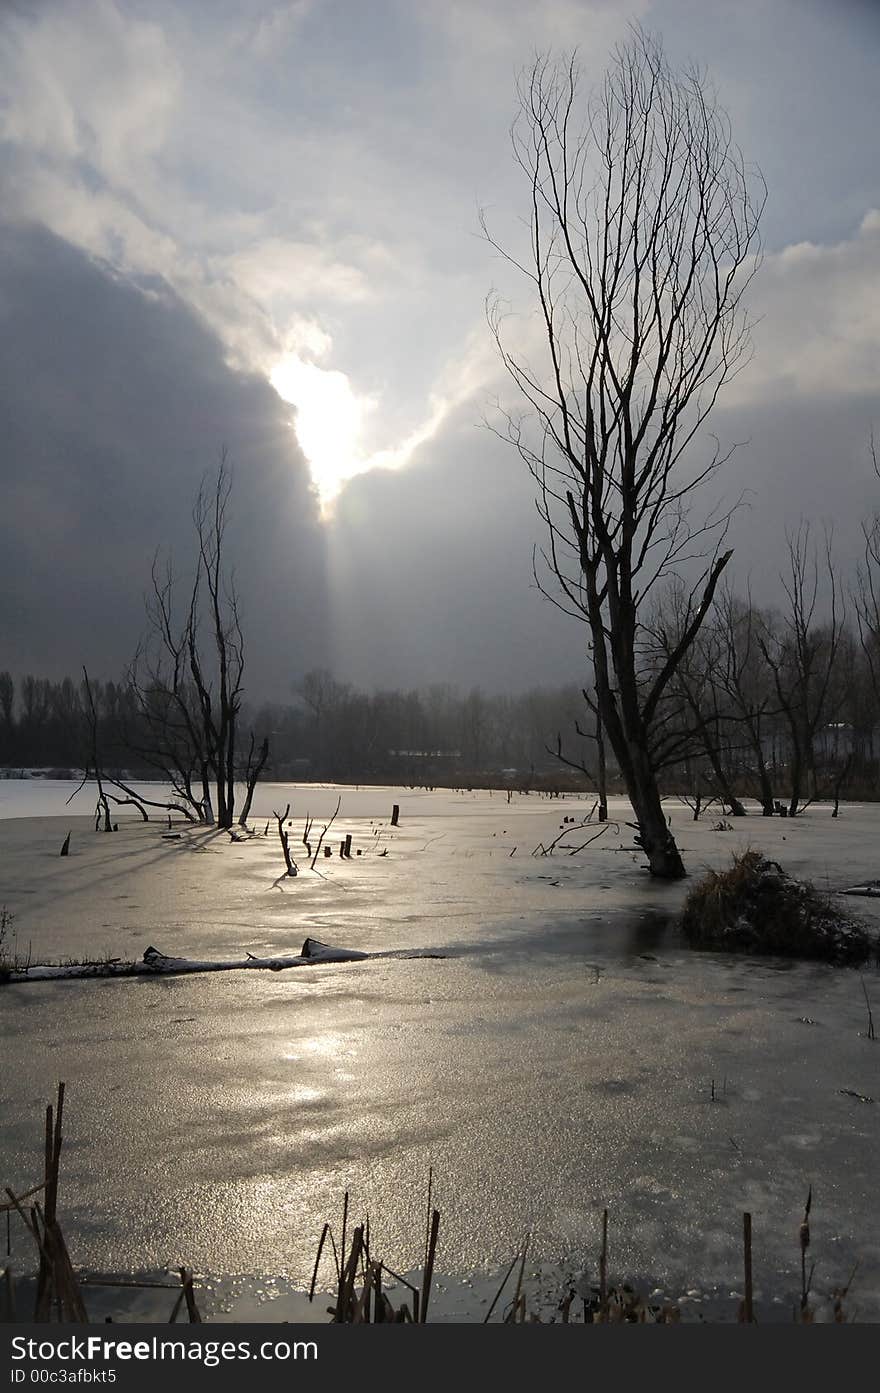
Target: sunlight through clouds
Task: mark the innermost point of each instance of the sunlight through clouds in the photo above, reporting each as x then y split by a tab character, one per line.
333	420
330	421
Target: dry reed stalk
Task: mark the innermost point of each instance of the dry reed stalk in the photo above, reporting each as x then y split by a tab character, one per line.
839	1296
186	1281
871	1035
804	1241
519	1280
748	1307
56	1147
127	1282
428	1215
360	1314
342	1250
28	1194
504	1282
325	1230
55	1277
69	1295
429	1267
28	1223
396	1277
345	1305
175	1309
380	1300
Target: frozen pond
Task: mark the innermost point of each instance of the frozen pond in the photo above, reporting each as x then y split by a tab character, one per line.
560	1058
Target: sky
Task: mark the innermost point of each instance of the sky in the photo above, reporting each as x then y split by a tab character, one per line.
256	225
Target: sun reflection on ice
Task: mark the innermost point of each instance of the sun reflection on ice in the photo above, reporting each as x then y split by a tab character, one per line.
329	1045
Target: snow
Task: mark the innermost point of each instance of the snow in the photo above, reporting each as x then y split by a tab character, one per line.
562	1057
154	964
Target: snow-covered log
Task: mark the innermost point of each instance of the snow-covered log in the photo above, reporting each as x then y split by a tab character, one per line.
155	964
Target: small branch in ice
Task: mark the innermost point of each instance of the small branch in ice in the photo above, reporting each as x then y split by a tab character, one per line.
156	964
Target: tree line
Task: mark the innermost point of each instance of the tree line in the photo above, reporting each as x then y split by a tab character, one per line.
778	703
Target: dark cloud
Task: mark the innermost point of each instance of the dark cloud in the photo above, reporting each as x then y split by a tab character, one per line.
430	573
114	401
808	459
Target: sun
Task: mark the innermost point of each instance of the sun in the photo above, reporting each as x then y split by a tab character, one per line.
330	422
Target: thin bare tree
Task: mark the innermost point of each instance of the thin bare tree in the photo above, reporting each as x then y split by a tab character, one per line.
188	677
746	685
643	237
867	596
801	650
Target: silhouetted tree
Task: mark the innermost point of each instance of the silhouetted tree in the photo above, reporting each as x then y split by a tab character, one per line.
801	650
643	237
188	675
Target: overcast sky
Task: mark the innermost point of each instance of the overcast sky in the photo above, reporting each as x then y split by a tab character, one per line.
256	224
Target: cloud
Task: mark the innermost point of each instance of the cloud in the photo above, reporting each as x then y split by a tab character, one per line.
277	271
110	423
274	29
819	327
333	420
88	84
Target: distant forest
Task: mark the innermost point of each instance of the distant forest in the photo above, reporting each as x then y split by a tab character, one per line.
329	731
780	705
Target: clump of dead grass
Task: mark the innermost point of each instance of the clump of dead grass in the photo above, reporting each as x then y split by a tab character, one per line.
756	907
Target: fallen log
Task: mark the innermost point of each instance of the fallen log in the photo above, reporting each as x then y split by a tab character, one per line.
155	964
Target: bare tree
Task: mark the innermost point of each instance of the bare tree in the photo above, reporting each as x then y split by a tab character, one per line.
599	778
643	237
188	676
867	598
700	715
742	677
92	695
217	670
801	651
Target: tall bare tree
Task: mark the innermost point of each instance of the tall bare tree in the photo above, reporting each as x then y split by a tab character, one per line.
643	236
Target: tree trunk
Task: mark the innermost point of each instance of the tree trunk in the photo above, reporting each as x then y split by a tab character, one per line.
654	835
664	860
721	779
253	773
797	774
764	781
602	771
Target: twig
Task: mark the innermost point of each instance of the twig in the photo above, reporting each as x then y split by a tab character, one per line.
325	830
871	1035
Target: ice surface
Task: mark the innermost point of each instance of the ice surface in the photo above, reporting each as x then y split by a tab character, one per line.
560	1058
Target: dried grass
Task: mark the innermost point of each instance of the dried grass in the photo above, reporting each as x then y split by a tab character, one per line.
755	907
